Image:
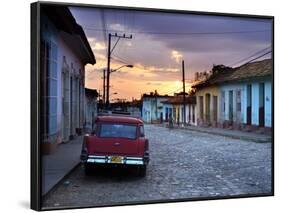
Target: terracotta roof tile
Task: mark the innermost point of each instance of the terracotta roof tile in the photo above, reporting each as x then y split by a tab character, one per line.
179	100
245	72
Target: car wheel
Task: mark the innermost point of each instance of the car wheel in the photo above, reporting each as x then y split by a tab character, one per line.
87	169
142	171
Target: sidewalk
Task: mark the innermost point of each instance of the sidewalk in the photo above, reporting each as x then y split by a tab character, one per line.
57	165
236	134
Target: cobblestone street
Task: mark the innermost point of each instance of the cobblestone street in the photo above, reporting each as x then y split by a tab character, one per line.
183	164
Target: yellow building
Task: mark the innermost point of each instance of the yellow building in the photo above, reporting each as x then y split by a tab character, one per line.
207	107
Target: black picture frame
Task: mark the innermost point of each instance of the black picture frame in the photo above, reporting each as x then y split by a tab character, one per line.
36	182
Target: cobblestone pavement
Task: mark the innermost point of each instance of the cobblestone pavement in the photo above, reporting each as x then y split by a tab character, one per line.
184	164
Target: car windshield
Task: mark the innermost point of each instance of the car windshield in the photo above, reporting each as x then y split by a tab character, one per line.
118	131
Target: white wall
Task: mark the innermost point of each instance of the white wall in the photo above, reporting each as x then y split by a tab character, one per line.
71	57
146	110
223	116
63	50
149	108
188	108
165	105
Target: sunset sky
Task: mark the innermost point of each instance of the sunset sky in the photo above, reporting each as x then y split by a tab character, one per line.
159	43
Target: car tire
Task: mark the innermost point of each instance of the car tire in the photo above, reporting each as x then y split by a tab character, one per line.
87	169
142	171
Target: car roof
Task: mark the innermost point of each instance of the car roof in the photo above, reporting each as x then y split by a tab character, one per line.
119	119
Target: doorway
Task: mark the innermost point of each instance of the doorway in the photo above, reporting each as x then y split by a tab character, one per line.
230	112
249	104
65	105
207	101
215	109
261	104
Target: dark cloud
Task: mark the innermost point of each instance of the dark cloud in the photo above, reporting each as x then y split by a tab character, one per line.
200	51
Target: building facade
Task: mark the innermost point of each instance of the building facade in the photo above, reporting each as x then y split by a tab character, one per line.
207	107
174	109
91	109
64	52
239	98
248	97
152	107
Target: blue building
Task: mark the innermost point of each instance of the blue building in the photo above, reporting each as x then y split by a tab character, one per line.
173	108
244	97
64	52
152	107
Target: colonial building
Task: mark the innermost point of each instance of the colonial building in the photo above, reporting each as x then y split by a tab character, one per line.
91	109
239	98
246	97
64	52
152	107
174	108
207	97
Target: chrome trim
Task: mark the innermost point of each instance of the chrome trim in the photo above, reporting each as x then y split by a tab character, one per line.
107	160
134	162
96	160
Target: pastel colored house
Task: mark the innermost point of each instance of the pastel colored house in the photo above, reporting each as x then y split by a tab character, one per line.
247	96
207	102
175	107
64	52
238	98
167	110
152	107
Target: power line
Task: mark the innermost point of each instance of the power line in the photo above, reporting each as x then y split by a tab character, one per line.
182	33
118	60
248	57
258	57
115	45
109	52
174	91
122	60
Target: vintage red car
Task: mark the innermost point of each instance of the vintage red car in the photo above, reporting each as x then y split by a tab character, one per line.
117	140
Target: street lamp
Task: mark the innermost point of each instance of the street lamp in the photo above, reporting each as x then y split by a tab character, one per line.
108	77
126	65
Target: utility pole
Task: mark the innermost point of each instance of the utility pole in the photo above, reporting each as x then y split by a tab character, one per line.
109	51
103	94
183	84
108	71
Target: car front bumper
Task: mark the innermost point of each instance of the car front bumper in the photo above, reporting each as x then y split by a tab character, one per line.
96	159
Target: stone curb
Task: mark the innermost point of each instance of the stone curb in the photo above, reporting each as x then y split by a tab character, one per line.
240	137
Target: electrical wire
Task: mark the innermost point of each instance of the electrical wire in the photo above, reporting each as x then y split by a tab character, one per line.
249	57
182	33
258	57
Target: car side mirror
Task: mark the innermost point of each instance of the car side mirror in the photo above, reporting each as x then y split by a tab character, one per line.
93	132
